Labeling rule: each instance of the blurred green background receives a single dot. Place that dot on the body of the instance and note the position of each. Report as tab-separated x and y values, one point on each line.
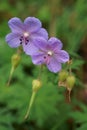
67	20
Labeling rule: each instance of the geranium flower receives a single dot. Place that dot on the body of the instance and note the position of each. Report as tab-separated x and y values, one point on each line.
50	53
25	33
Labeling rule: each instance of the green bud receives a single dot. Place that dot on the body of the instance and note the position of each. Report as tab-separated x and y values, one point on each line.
36	85
63	75
70	82
15	59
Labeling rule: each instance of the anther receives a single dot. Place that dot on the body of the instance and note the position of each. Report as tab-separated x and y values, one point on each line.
20	39
26	43
27	40
44	57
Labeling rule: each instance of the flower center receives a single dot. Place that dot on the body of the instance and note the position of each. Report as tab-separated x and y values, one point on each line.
26	34
47	57
24	38
50	53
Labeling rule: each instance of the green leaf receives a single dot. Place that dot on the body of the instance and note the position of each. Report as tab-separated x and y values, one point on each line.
82	127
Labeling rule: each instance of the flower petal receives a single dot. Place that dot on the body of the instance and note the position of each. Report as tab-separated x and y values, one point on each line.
13	40
38	59
41	33
62	56
54	65
40	43
16	25
55	43
32	24
30	49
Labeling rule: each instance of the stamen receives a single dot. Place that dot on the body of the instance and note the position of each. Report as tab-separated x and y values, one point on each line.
20	39
44	57
24	38
26	43
27	40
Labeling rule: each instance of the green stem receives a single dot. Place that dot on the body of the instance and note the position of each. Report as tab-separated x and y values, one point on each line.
33	95
69	92
30	105
40	72
10	76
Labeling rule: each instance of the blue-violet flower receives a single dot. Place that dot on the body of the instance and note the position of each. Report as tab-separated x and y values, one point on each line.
25	33
50	53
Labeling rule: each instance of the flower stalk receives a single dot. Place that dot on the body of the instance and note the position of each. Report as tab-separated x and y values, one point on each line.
15	60
10	76
36	85
30	105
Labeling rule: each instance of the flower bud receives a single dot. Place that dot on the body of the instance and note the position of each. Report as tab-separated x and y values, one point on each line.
63	75
69	62
36	85
15	60
70	82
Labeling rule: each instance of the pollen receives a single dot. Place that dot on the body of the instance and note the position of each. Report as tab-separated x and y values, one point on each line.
26	34
50	53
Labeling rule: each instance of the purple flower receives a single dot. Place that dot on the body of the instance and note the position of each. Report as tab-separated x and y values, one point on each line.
50	53
25	33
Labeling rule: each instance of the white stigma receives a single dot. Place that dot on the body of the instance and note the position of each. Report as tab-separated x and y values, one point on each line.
26	34
50	53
